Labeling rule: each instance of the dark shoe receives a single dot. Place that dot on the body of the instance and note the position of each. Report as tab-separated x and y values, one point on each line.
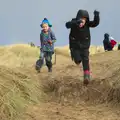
86	79
38	71
50	70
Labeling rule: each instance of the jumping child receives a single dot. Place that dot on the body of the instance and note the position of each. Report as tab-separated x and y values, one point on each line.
80	39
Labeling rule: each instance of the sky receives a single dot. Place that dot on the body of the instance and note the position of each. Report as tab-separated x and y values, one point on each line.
20	19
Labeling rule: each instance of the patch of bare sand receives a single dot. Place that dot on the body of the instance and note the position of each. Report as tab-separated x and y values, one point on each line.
55	111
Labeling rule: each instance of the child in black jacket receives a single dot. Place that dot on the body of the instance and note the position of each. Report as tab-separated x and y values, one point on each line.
80	39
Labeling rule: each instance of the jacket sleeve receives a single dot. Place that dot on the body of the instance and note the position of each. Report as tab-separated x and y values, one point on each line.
95	22
71	23
53	37
68	25
41	40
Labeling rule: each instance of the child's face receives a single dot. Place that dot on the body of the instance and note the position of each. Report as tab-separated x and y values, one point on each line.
45	27
83	21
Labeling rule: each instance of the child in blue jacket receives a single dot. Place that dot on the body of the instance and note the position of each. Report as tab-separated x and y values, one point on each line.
47	40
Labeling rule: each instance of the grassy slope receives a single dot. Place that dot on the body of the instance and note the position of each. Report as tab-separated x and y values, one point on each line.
18	80
17	85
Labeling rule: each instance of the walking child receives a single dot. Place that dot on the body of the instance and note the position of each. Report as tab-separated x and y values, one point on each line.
80	39
47	40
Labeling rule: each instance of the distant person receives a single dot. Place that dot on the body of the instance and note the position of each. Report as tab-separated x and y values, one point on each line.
113	42
118	46
47	40
80	39
108	42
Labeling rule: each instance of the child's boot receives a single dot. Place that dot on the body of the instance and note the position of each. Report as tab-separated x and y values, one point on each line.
86	77
49	65
50	69
39	64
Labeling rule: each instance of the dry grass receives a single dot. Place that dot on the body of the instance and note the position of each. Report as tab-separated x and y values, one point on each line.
18	83
93	50
17	86
67	86
18	55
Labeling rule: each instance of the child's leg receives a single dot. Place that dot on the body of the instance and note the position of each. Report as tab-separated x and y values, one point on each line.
85	62
76	56
41	58
39	64
48	59
109	47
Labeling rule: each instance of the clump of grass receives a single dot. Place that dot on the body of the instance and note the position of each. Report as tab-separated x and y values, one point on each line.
17	91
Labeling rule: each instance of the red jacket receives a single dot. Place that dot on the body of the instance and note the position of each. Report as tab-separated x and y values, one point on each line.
113	43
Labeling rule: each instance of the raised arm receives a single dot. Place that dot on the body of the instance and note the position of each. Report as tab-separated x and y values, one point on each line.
96	20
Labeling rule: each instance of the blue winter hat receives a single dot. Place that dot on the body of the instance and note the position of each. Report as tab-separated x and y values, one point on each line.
45	20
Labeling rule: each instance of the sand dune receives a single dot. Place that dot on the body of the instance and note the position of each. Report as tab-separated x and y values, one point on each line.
27	95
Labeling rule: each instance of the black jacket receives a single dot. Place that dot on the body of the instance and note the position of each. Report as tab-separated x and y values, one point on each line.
106	42
80	37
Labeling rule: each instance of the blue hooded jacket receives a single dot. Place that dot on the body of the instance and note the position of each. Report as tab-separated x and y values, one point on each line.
44	38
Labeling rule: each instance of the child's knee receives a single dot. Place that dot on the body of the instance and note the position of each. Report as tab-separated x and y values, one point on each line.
77	62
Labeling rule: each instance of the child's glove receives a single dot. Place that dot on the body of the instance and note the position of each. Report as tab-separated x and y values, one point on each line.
50	42
96	12
41	49
77	22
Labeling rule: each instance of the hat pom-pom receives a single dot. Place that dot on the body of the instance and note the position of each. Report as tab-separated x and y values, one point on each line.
45	18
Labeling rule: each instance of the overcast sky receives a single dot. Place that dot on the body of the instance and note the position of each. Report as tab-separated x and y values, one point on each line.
20	19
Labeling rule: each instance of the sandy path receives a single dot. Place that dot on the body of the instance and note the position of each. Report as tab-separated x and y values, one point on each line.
102	67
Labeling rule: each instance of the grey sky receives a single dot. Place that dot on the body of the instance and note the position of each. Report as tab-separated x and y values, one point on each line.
20	19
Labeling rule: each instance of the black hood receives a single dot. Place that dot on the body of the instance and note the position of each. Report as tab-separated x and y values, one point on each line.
81	14
106	35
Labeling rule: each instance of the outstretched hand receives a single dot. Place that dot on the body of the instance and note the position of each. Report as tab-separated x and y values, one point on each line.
96	12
